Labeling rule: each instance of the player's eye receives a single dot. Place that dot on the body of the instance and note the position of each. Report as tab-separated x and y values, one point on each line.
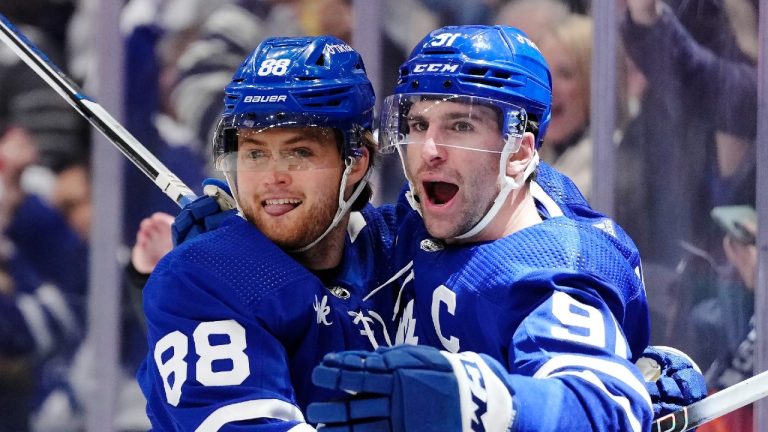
301	152
257	154
418	125
462	126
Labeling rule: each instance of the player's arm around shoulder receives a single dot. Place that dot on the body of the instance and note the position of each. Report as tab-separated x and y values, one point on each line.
211	364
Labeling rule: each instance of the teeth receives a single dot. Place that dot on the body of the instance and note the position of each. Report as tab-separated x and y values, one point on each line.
282	201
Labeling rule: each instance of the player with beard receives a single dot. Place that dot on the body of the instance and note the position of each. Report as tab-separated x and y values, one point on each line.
540	316
236	321
476	195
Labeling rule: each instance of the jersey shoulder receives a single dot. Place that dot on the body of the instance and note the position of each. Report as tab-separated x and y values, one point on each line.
553	252
235	260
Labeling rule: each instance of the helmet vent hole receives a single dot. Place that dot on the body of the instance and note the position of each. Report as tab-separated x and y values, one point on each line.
320	61
502	74
477	71
483	81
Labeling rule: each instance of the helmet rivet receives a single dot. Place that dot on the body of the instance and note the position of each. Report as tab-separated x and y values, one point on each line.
447	84
415	84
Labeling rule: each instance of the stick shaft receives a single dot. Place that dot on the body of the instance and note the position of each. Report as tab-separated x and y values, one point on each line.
30	54
716	405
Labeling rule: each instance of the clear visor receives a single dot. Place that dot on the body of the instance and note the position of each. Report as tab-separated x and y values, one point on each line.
464	122
284	147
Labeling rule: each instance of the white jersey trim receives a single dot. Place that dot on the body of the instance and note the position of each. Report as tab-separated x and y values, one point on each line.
302	427
539	195
356	224
613	369
250	410
622	401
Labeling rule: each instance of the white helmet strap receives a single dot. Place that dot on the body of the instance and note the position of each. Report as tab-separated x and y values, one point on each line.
231	177
344	205
409	194
342	209
507	184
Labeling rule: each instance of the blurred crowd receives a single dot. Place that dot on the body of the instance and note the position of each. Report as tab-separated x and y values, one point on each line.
685	140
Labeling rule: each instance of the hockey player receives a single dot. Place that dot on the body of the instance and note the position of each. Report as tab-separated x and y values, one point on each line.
556	305
236	321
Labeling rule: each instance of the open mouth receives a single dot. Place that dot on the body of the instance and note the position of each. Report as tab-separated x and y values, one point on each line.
440	193
280	206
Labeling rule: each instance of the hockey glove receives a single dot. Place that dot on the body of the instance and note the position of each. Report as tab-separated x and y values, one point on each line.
205	213
672	379
412	388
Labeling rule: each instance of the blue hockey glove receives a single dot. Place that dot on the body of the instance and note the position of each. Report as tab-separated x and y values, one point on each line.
205	213
412	388
672	378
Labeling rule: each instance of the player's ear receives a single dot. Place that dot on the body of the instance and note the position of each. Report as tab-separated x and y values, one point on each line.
359	166
520	159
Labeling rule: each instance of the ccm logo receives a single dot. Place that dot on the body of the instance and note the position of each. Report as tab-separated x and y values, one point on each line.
479	394
435	67
256	99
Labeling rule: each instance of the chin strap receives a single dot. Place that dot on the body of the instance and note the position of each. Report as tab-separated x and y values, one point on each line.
409	194
508	184
230	176
343	205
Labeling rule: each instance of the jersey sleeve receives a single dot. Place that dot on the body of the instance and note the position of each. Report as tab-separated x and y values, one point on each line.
212	365
569	362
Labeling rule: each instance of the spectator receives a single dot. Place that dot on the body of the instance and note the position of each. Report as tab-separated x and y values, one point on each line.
25	100
710	149
682	48
568	50
44	262
736	361
157	34
72	198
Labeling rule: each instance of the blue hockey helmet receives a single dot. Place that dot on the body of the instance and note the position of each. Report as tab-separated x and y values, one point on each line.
497	63
298	82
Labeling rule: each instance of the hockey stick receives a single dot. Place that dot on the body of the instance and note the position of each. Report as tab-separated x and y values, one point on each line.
30	54
716	405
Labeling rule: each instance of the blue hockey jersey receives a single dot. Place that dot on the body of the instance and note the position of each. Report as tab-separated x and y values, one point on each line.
235	327
560	304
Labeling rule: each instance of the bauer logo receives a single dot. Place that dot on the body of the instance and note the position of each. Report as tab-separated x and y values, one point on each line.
264	99
435	67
